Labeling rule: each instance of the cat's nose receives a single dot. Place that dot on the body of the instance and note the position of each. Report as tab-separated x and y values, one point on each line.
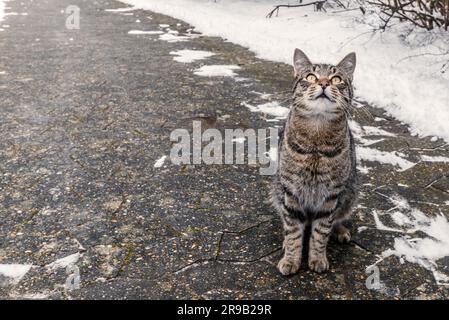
324	82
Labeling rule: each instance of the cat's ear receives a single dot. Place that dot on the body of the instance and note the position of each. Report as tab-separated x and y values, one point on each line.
348	64
300	61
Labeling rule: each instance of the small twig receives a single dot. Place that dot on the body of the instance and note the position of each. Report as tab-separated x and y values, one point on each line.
421	55
319	6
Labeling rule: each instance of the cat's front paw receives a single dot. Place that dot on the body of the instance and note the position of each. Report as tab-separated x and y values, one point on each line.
319	264
288	266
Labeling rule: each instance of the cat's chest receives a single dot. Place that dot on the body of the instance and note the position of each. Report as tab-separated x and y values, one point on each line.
312	164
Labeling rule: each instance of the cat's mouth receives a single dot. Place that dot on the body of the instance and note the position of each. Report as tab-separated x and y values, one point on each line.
323	96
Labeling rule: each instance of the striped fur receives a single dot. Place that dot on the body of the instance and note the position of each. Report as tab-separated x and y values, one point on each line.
316	182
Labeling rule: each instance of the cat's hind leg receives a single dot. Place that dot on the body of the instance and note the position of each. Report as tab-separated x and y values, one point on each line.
340	232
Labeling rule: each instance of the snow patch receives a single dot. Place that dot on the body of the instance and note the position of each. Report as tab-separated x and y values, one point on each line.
425	250
361	229
397	70
145	32
270	108
15	272
393	158
64	262
169	37
2	10
160	162
360	132
434	159
273	154
375	131
127	9
188	56
217	71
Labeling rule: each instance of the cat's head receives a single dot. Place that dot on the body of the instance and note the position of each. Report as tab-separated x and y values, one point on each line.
323	88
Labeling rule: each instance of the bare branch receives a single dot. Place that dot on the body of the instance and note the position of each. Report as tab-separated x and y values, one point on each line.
319	5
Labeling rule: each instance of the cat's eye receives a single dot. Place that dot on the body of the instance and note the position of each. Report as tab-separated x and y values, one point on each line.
336	80
311	77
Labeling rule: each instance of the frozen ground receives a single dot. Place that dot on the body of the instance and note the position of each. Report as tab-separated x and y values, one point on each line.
403	71
86	182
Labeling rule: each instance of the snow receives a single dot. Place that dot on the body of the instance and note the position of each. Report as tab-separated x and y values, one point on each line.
393	158
362	228
64	262
217	71
127	9
399	70
14	271
363	169
264	95
188	56
426	250
270	108
360	132
145	32
160	162
375	131
364	153
434	159
2	11
169	37
273	154
30	296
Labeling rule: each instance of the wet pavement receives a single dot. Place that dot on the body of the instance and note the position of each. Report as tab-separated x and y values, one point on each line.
85	115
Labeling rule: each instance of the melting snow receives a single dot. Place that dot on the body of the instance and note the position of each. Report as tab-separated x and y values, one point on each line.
426	250
270	108
121	9
173	38
393	158
188	56
2	11
145	32
64	262
359	132
273	154
217	71
375	131
160	162
418	54
434	159
14	271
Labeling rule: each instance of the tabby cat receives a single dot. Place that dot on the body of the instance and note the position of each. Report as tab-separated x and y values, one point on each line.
316	181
